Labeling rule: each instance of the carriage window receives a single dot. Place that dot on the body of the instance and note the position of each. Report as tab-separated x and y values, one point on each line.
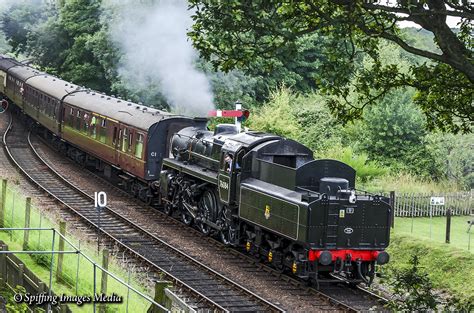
48	108
114	138
125	140
130	139
78	120
71	118
85	123
103	130
139	146
93	128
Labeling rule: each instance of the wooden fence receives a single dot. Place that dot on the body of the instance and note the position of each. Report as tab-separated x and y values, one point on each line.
418	205
13	273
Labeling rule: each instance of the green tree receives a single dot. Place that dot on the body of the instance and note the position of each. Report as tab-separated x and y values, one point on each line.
61	38
394	133
240	34
453	156
19	20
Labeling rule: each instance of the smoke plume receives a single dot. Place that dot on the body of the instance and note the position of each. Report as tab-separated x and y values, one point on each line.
157	51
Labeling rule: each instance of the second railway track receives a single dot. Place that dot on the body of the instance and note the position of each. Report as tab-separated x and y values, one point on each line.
214	291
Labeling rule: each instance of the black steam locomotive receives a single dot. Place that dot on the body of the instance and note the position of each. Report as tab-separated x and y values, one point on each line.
268	194
254	190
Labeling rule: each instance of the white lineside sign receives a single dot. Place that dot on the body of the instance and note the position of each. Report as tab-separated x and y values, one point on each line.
100	199
437	201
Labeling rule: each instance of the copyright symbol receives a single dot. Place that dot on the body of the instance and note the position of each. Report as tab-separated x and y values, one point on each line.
18	297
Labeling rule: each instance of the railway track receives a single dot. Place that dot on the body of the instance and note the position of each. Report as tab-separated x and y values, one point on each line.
213	290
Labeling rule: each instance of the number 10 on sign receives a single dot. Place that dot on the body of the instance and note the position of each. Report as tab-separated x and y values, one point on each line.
100	199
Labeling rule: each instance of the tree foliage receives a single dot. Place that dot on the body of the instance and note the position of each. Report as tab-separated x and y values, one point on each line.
246	34
394	133
61	38
306	119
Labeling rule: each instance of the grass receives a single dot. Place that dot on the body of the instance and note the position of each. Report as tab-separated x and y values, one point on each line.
407	183
72	281
419	227
450	269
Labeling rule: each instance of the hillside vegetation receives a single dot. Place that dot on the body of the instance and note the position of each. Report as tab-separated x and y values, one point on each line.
450	269
389	144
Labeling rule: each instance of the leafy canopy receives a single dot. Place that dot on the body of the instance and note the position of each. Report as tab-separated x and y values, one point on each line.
266	33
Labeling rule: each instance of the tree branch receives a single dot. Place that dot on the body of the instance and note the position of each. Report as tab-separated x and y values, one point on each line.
403	44
463	14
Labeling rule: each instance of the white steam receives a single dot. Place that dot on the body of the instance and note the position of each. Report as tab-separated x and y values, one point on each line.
157	51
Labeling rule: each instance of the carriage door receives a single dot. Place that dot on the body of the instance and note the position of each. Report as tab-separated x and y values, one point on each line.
62	118
225	176
115	142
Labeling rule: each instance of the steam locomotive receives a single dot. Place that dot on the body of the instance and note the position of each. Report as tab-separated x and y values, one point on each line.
257	191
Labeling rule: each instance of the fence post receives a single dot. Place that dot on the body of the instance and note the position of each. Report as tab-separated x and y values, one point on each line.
448	225
26	236
3	263
392	204
103	281
62	231
41	287
3	202
21	273
160	296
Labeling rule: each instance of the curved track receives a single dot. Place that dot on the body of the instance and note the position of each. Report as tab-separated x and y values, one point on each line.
214	291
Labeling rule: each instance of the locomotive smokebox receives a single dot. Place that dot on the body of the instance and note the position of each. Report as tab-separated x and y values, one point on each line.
331	185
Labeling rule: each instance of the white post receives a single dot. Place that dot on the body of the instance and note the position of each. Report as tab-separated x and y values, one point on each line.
238	106
431	219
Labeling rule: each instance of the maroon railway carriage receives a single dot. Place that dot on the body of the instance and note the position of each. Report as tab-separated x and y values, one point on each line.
125	140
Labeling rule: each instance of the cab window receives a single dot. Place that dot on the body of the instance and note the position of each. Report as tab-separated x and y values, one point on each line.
227	160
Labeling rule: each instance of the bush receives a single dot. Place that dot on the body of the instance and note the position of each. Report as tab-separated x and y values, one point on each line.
8	304
303	118
402	181
277	115
365	169
412	289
